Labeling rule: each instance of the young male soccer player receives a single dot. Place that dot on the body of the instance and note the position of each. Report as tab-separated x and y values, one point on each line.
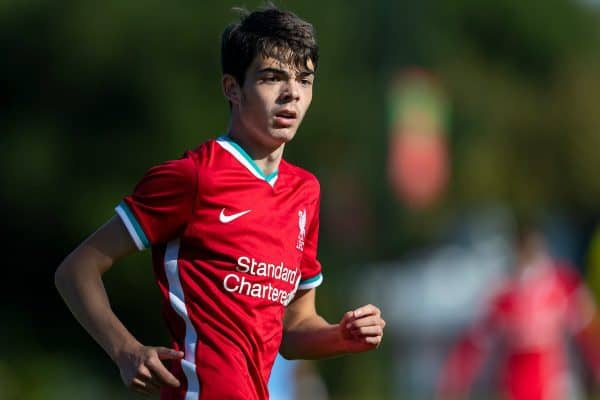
233	230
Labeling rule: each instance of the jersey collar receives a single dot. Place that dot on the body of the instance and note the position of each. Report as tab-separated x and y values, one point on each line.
244	158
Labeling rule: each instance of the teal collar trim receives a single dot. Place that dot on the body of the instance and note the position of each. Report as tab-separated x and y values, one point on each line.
250	163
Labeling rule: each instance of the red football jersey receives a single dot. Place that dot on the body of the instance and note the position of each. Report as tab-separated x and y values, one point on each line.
529	316
230	247
533	315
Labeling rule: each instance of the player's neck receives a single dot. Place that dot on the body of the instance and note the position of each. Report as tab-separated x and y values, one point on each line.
266	158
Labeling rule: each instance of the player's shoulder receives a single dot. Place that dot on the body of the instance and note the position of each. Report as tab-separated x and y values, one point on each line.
187	164
299	174
206	155
202	151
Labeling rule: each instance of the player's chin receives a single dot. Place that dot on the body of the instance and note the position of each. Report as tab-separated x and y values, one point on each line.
285	134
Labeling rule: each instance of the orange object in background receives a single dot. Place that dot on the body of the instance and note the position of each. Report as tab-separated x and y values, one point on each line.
418	168
418	161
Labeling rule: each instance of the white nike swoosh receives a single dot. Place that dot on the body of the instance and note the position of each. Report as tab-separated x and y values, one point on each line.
228	218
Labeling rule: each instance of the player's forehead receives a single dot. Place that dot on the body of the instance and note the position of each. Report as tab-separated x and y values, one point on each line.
261	63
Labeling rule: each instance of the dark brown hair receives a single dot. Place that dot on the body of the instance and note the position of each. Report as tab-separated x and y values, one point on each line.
270	32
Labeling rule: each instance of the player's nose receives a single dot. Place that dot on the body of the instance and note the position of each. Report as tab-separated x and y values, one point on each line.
291	90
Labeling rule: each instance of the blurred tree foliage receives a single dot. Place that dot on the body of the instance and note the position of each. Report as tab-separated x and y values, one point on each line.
525	82
97	92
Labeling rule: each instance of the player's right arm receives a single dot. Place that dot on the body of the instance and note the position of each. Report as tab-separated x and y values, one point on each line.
79	281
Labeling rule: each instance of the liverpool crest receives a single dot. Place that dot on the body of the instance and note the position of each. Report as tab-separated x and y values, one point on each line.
301	229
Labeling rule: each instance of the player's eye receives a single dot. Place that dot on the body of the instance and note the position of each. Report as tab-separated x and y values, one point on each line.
270	78
306	82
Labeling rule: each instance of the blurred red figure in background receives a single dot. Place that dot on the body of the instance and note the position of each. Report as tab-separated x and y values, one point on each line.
529	317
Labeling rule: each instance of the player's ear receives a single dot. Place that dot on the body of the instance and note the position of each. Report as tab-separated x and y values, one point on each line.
231	89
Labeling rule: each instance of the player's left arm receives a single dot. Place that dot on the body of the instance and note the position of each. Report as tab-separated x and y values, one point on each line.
307	335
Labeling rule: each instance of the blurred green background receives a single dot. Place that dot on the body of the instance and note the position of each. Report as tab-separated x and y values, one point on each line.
97	92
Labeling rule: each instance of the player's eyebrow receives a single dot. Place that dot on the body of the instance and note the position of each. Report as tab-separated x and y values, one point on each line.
306	73
273	70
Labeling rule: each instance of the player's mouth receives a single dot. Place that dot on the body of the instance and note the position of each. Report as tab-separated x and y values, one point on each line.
285	118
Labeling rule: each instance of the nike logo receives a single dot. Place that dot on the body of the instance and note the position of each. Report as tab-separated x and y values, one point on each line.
228	218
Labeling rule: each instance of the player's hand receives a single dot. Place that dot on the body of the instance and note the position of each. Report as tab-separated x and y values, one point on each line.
142	369
362	329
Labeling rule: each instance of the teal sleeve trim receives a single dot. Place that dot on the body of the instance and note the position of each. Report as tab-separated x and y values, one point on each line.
311	282
133	226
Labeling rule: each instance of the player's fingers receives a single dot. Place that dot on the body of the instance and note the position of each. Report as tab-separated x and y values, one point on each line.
366	321
348	316
140	386
368	309
368	331
142	373
160	374
148	386
373	340
165	353
153	385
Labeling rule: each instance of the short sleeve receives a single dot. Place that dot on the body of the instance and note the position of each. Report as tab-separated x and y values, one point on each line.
161	204
311	267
